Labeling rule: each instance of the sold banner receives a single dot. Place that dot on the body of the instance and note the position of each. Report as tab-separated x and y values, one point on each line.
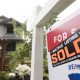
63	44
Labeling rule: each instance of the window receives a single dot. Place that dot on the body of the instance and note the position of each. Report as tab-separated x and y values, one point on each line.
11	46
10	29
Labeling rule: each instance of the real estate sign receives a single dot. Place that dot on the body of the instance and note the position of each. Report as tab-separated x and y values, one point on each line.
63	44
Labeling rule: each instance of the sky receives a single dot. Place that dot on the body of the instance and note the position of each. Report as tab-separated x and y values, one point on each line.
22	10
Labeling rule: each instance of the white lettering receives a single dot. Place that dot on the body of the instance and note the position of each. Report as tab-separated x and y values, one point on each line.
60	37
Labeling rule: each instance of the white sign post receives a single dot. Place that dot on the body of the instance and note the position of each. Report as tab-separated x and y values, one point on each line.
51	10
37	54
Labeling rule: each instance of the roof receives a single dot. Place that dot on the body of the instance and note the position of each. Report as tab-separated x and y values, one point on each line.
14	36
5	20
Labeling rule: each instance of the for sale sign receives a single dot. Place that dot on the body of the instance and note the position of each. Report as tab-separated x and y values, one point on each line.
67	51
63	43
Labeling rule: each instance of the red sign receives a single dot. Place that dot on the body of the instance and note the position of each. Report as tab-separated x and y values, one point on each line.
58	35
64	42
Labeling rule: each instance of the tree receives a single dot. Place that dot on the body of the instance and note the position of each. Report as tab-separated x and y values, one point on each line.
23	49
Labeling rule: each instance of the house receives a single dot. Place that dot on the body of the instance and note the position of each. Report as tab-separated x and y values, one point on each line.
8	39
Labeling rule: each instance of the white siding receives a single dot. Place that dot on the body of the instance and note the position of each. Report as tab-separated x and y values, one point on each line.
3	30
